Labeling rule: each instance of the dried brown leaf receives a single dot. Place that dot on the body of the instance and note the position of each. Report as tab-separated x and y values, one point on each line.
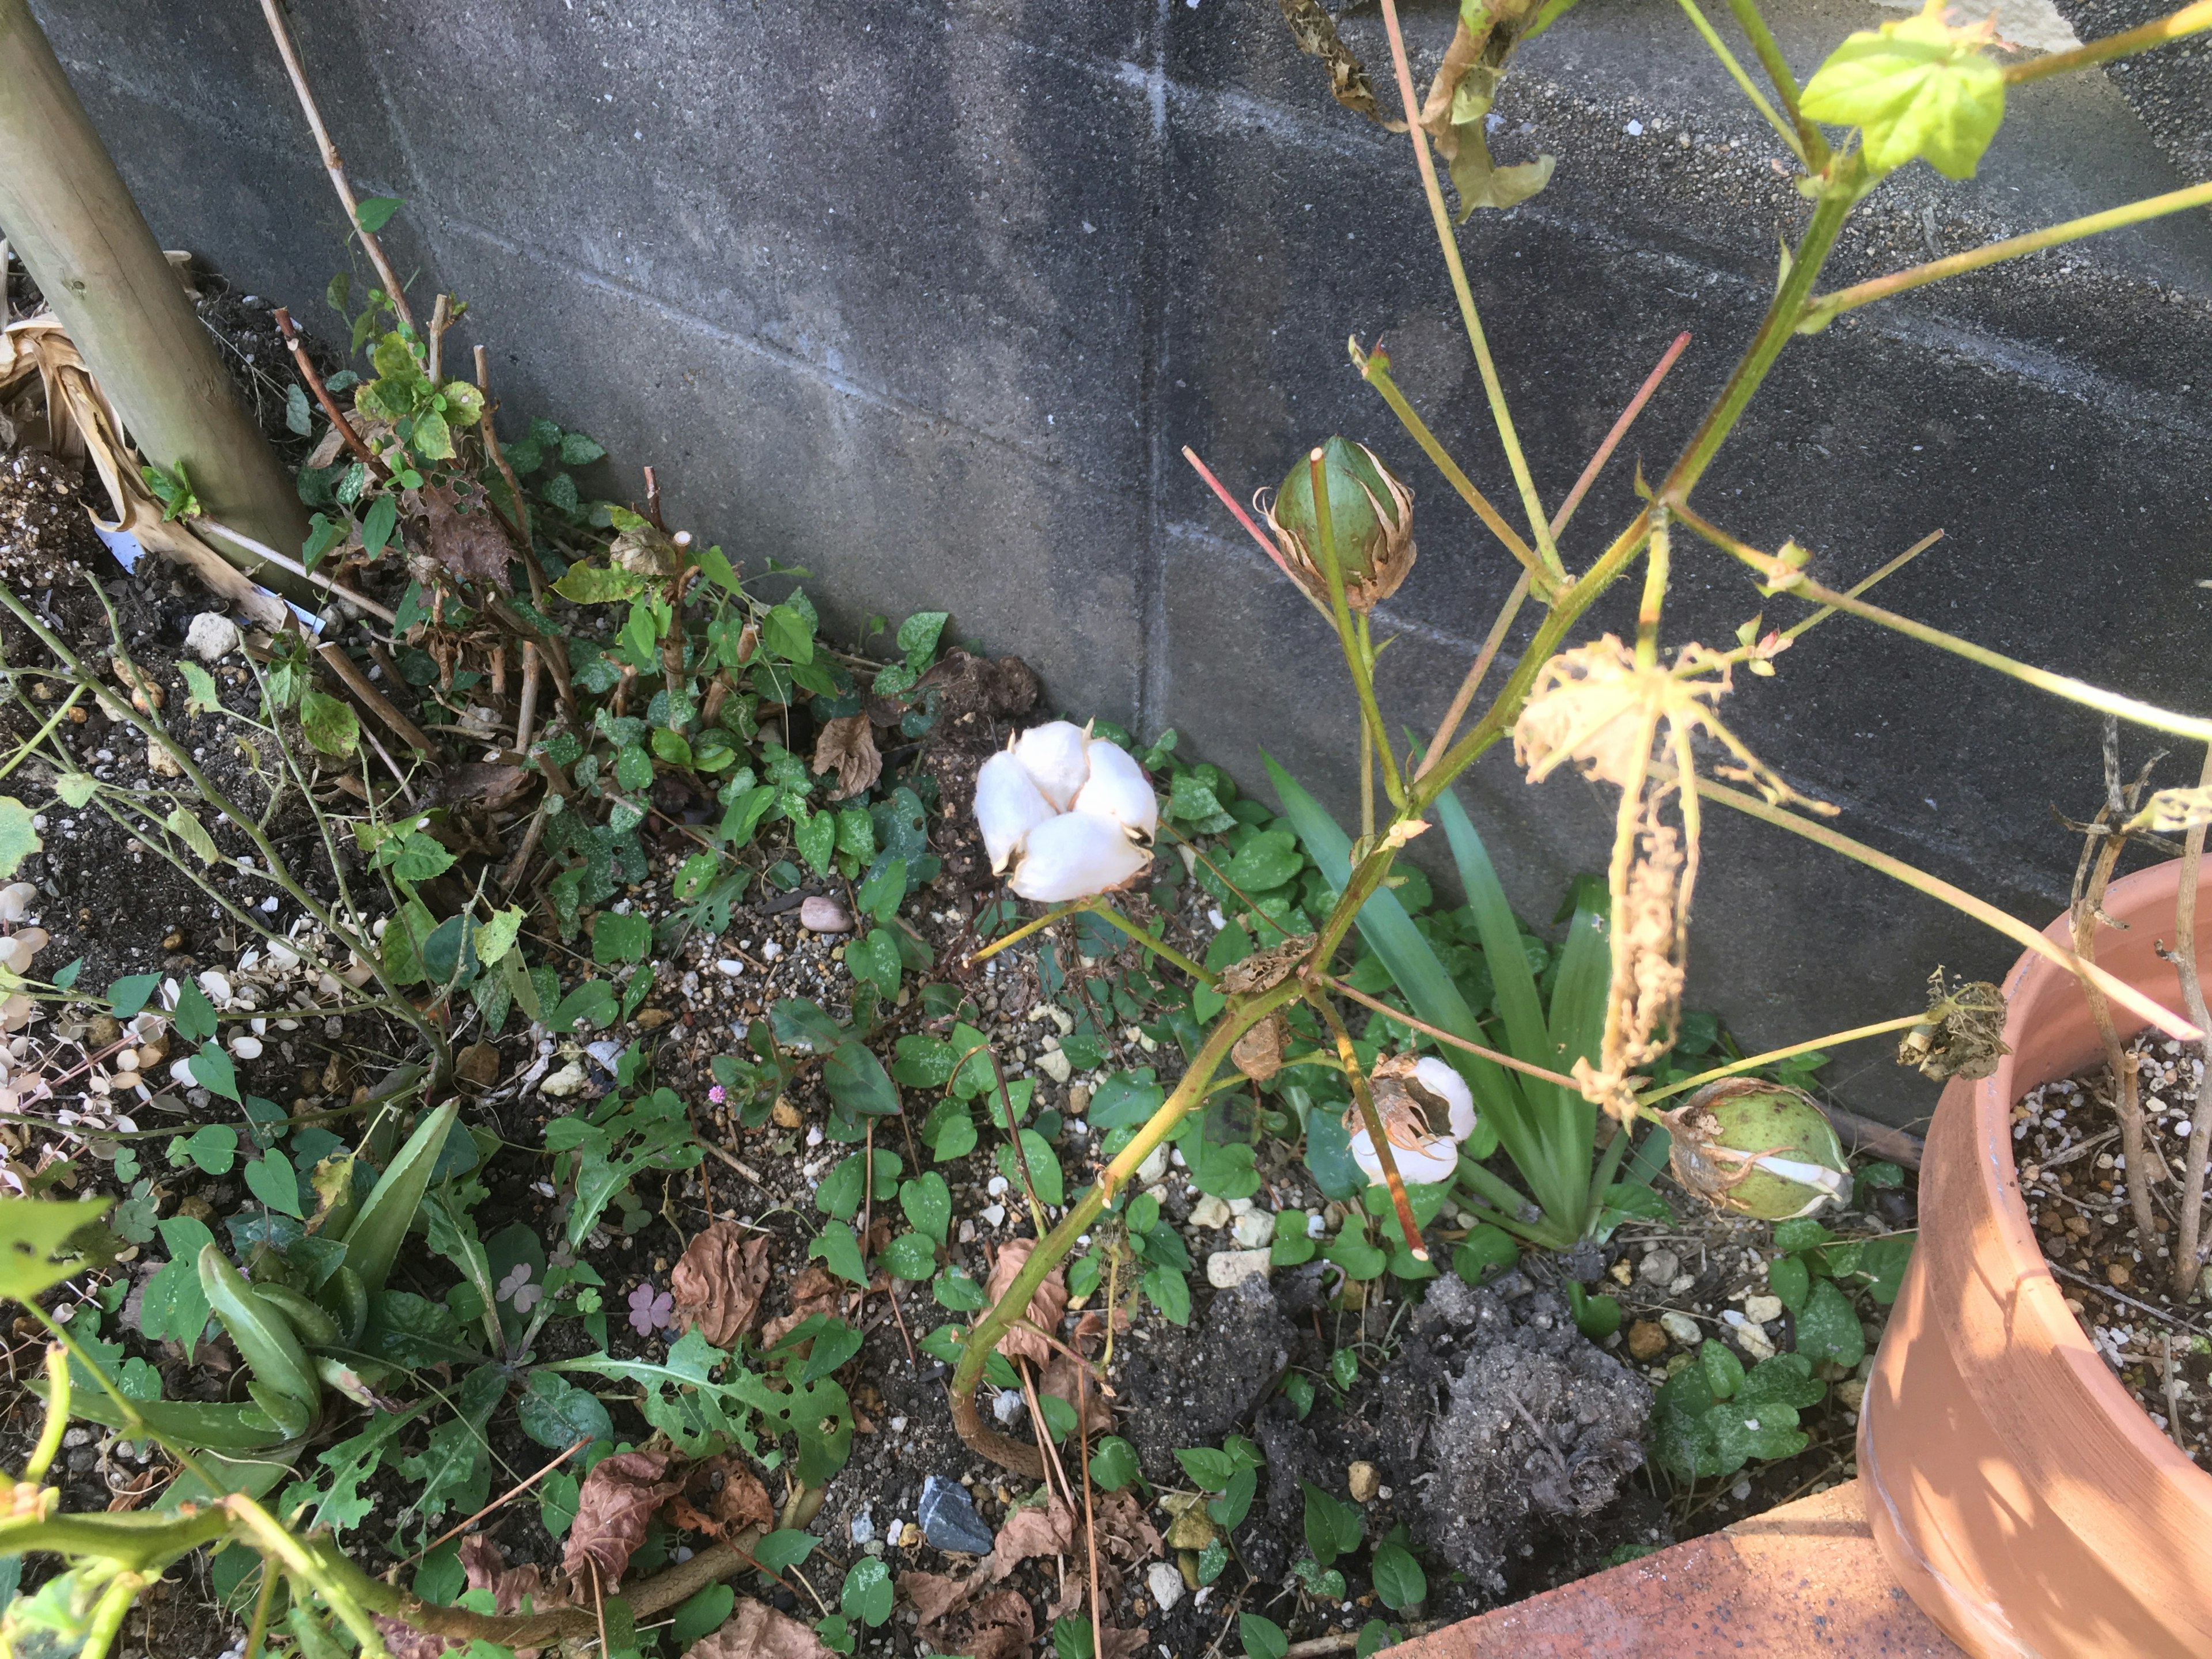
1065	1377
756	1630
402	1641
1047	1303
740	1502
848	748
486	1563
487	784
1263	971
1049	1530
999	1626
1123	1528
816	1291
1115	1643
1259	1053
1314	30
463	535
933	1595
617	1499
718	1283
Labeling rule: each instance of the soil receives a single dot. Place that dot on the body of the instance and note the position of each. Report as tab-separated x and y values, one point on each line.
2073	1177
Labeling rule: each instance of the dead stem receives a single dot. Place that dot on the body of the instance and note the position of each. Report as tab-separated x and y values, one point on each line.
1373	1120
368	457
2192	1004
2099	855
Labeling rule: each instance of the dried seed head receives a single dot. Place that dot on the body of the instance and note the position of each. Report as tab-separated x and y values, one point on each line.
1370	518
1757	1149
1259	1053
1962	1034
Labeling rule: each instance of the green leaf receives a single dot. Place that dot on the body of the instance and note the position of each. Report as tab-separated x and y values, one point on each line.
187	828
1114	1465
373	213
33	1236
557	1414
1828	1324
577	449
1292	1246
620	938
840	1252
1487	1249
856	1080
195	1014
955	1289
1332	1528
911	1255
212	1070
788	633
18	840
781	1550
275	1183
816	840
1208	1468
1723	1370
1235	1503
1168	1291
1268	860
928	1203
1790	1279
262	1335
212	1147
1043	1165
1263	1638
127	995
201	696
1916	88
700	1615
1596	1318
591	584
379	1226
378	523
495	938
328	724
1398	1580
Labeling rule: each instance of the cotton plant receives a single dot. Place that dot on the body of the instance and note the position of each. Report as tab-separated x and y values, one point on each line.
1072	813
1426	1110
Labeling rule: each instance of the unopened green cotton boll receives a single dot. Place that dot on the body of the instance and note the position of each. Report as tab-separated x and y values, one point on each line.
1371	515
1759	1149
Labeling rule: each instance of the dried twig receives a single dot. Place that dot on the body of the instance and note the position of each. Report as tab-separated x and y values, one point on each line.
333	164
2192	1004
337	417
376	702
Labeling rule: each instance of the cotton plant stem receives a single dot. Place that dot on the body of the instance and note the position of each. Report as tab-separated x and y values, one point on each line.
1476	670
259	1628
2192	1004
1620	430
1167	953
1512	1063
1540	526
2172	26
332	164
1798	630
375	701
1267	543
983	1336
337	416
1363	678
1032	926
2118	990
1787	131
1904	1022
1374	369
1810	145
204	526
1828	306
1376	1135
2127	1104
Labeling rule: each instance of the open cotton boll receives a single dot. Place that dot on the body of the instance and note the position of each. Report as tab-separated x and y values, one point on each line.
1822	1186
1008	805
1440	1080
1117	790
1432	1161
1074	856
1054	757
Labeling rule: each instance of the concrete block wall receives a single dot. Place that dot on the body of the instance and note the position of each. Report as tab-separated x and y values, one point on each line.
928	297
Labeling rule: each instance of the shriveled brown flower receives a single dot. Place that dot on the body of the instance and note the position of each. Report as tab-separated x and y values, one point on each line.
1263	971
1962	1035
1047	1303
718	1282
847	748
1259	1053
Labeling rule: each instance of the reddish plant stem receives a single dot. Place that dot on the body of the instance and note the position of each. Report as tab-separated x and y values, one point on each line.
338	417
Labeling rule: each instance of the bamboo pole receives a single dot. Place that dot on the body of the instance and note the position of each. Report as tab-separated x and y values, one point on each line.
70	216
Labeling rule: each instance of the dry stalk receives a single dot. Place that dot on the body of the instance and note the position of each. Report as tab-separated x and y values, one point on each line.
2192	1004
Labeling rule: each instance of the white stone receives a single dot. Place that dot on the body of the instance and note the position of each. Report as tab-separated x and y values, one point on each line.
995	1214
1008	1405
1164	1580
1239	1205
246	1045
1227	1268
1683	1328
820	914
565	1082
1762	1310
1154	1168
1253	1228
729	965
1055	1065
1209	1211
1659	1266
212	636
996	1186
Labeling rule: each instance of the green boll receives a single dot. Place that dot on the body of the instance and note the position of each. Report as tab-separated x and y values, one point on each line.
1370	518
1759	1149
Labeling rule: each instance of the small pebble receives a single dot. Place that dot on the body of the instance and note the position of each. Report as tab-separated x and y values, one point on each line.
1762	1310
819	914
1165	1581
949	1520
1647	1340
1209	1211
994	1214
1227	1268
1659	1266
1364	1481
1683	1328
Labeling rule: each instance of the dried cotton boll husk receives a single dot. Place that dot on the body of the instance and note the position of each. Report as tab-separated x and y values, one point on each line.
1117	789
1008	806
1412	1103
1055	757
1439	1078
1074	856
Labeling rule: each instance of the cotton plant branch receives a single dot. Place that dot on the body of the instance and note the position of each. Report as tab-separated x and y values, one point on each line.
1784	130
1493	388
1827	308
2174	25
1812	147
333	164
2101	855
1355	659
1774	1056
1266	542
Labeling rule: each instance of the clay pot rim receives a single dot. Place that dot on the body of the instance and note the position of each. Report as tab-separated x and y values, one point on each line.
2147	893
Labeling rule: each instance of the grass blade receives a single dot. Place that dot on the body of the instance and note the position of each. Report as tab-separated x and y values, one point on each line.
372	1242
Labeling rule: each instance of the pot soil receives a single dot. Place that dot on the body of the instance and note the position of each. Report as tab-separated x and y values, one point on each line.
2016	1489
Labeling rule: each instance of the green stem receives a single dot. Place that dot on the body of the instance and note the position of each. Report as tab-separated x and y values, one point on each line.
1828	306
1787	132
1657	559
58	1414
1189	1089
135	1541
1649	1096
1374	369
1508	1201
1813	147
107	1616
1494	388
1167	953
2172	26
1362	679
1023	930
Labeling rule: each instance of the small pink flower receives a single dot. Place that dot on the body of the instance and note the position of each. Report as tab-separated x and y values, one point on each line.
650	1309
717	1095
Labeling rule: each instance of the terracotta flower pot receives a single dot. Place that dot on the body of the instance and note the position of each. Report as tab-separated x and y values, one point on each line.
2017	1490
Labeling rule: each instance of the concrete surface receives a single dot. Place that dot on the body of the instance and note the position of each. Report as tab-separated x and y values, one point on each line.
927	297
1802	1582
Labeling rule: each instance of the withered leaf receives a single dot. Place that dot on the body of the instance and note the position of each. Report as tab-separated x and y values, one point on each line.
617	1501
934	1593
1115	1643
1047	1303
486	1563
483	783
1259	1053
402	1641
999	1626
1049	1530
1063	1376
1314	30
1263	971
1456	114
740	1502
1123	1528
718	1283
848	748
756	1630
816	1290
463	535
